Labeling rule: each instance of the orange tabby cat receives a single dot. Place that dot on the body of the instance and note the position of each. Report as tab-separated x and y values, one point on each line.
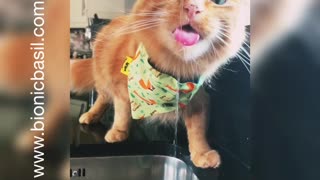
184	38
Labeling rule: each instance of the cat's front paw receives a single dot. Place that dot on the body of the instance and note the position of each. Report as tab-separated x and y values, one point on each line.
210	159
87	118
114	135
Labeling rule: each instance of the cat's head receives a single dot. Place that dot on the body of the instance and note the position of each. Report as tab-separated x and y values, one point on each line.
193	29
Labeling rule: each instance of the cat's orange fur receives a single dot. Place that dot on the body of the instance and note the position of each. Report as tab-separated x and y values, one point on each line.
113	45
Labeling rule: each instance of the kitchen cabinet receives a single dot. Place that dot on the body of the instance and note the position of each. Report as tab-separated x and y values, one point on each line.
81	10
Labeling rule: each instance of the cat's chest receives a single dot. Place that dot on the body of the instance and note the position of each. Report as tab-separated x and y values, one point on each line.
152	92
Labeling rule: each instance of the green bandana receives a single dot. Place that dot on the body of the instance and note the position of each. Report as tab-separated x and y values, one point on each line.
152	92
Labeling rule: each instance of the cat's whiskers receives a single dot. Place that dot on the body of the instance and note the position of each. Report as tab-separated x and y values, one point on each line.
136	27
215	52
245	43
222	40
246	55
242	48
244	63
144	13
137	22
244	58
109	36
245	51
137	30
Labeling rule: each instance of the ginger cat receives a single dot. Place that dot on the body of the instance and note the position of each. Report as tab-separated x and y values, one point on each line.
184	38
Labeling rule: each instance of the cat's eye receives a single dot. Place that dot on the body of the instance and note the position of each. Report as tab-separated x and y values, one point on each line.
220	2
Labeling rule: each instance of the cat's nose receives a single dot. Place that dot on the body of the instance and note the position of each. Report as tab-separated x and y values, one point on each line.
192	10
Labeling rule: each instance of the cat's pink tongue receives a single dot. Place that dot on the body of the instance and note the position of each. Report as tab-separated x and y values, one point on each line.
186	38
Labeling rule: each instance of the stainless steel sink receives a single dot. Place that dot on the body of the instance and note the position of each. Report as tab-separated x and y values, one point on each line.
130	168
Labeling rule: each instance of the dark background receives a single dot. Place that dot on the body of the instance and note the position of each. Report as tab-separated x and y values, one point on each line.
286	107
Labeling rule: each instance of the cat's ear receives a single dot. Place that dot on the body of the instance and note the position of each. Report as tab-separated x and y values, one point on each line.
246	11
